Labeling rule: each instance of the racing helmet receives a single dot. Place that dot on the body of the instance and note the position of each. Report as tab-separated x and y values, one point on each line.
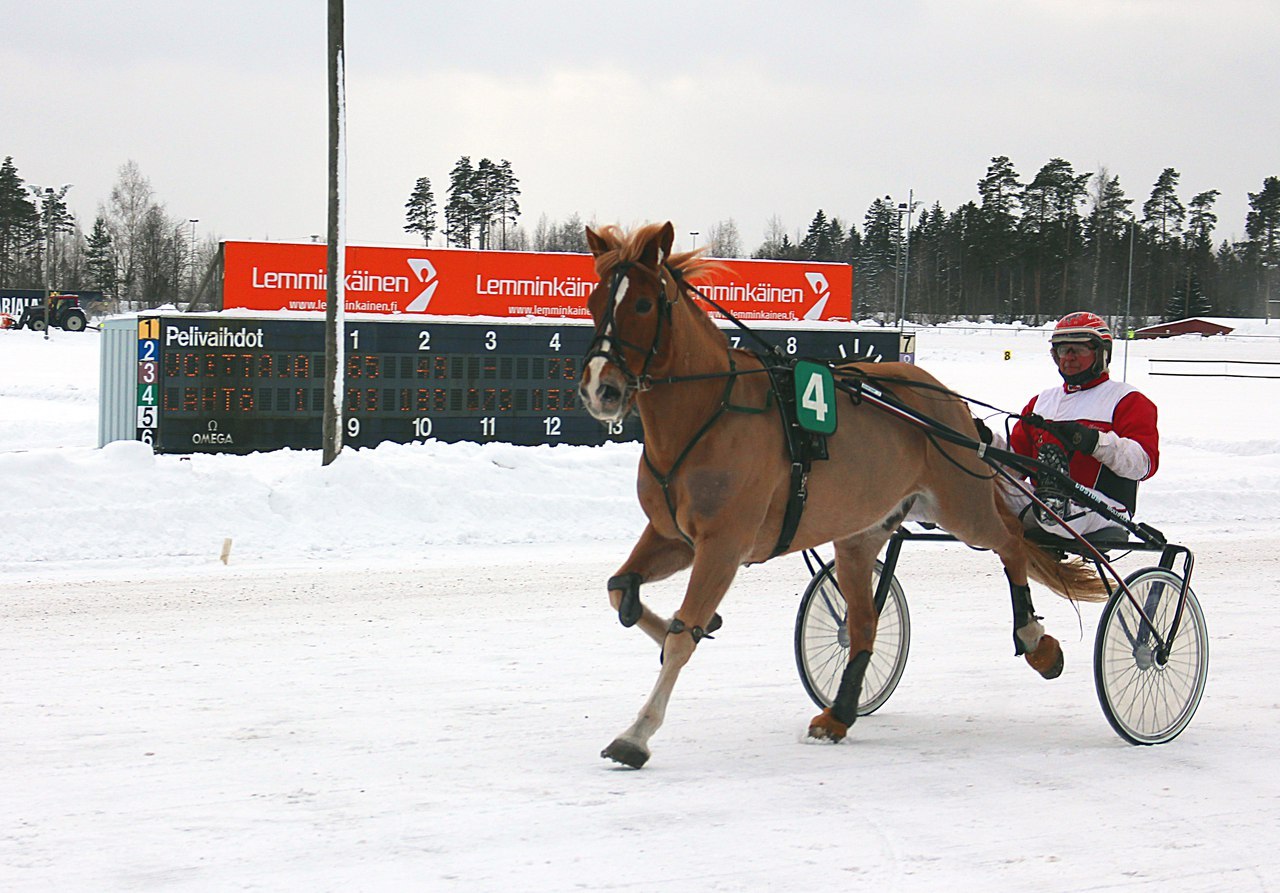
1083	327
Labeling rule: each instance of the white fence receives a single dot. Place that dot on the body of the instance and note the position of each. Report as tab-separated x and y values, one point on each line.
1216	368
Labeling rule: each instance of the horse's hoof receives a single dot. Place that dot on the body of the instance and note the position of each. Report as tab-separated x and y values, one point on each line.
628	753
825	727
1047	658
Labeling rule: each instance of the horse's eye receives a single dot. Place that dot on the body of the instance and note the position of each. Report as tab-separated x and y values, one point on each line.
643	305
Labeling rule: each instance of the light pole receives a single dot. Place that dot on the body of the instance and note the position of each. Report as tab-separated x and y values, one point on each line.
897	249
48	199
908	207
694	235
191	298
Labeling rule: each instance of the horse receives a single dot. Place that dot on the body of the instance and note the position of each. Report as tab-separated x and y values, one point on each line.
715	478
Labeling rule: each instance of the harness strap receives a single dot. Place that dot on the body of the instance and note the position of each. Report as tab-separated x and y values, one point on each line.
801	458
726	405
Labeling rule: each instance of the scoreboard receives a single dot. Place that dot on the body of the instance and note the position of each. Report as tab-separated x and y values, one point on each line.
230	384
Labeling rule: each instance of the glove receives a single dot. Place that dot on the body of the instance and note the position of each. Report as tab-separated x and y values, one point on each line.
1074	436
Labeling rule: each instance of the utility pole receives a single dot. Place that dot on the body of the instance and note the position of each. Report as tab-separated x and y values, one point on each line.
335	293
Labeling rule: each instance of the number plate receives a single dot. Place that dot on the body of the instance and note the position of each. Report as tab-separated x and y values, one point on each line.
815	397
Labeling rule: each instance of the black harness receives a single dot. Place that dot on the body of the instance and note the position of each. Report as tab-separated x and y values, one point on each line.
803	447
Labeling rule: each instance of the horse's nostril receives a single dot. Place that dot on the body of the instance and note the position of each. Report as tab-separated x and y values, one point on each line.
610	394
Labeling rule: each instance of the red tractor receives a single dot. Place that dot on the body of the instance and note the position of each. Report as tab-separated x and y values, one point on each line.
64	311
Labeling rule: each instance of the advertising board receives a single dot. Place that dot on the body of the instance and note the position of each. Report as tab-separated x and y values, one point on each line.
272	276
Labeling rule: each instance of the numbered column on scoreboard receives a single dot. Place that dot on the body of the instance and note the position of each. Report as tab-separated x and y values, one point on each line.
230	384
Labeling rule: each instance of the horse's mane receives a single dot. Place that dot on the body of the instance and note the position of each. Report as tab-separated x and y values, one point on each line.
625	247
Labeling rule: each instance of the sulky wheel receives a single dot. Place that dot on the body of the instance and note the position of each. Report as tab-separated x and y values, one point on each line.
1148	697
822	642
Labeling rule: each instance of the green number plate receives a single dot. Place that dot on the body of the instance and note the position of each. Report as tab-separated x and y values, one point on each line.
815	397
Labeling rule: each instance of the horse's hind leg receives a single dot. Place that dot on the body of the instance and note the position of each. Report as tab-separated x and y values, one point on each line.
1002	533
855	562
653	558
1041	651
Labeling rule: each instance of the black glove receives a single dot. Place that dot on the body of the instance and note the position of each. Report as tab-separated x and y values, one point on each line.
1074	436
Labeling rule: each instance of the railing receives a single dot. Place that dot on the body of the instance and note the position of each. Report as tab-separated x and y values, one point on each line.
1216	368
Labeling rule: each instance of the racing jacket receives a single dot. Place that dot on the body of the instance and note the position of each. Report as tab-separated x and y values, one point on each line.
1128	448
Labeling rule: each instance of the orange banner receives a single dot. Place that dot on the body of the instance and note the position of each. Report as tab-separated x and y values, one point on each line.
460	282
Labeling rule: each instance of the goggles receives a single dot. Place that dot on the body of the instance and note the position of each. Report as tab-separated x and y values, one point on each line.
1072	349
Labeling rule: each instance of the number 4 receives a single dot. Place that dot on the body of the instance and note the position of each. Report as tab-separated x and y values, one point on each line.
815	397
815	394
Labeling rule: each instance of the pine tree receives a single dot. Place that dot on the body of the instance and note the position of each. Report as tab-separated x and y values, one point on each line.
875	271
1163	212
1051	233
820	243
1187	300
460	212
505	202
100	260
1106	240
420	211
1001	193
1262	225
19	227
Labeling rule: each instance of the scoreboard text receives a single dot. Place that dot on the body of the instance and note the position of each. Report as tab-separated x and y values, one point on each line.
240	385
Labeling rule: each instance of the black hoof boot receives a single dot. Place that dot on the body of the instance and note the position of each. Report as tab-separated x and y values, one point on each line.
628	753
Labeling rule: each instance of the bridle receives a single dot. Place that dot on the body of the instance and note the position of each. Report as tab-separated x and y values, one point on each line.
608	345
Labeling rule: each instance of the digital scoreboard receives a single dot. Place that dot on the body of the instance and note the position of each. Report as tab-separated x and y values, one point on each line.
227	384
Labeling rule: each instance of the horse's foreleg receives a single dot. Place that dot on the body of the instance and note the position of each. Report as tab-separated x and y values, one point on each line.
653	558
855	561
708	582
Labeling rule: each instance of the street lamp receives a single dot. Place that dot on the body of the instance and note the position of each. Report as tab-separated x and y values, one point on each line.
191	298
694	234
48	199
908	207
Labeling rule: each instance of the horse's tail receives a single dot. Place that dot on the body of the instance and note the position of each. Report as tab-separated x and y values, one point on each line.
1070	578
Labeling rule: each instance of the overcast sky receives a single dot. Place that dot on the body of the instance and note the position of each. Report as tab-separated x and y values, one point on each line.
695	112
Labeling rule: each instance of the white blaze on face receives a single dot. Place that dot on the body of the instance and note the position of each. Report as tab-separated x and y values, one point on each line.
596	366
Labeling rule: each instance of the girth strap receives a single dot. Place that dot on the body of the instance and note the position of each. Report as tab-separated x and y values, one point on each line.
802	447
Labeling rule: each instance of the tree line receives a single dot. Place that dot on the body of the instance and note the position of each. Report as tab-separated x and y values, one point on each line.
1031	250
1061	241
135	253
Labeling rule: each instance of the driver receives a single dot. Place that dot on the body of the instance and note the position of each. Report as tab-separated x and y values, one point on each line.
1102	433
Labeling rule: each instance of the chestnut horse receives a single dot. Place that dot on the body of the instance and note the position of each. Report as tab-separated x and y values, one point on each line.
715	477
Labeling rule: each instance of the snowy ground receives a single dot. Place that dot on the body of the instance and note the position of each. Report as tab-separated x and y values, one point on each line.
410	690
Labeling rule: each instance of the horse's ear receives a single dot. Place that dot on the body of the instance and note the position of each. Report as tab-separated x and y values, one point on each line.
595	243
658	248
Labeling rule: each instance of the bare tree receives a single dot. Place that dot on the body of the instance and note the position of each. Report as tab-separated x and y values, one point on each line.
723	239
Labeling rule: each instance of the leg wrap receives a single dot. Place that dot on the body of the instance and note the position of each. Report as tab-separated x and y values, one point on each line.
845	708
1024	615
696	632
629	607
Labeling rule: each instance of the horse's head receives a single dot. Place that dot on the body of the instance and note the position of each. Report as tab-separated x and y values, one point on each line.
631	308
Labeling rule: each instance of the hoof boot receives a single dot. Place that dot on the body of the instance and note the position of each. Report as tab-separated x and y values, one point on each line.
628	753
1047	658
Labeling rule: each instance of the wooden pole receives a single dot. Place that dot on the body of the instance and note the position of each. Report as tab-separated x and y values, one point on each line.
334	291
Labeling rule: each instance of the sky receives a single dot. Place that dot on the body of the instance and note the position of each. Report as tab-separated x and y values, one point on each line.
696	112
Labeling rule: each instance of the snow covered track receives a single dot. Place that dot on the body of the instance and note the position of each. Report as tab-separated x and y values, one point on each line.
343	727
410	692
